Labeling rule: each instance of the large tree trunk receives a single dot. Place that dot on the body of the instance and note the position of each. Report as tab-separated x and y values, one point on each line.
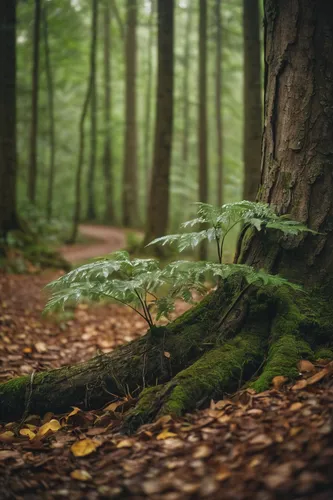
216	346
8	215
130	195
202	119
218	101
158	209
50	98
91	210
32	178
186	87
109	215
252	99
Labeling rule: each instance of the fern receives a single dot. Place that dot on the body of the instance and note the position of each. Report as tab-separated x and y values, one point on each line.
221	220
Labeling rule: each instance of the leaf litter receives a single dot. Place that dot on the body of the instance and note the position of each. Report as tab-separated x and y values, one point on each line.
273	445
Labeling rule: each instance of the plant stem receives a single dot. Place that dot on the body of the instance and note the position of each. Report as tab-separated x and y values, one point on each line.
144	307
126	304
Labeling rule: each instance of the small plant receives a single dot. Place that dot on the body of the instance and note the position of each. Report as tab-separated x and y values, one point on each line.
151	291
219	221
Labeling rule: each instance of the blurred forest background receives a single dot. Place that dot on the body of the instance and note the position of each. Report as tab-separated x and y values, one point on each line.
86	86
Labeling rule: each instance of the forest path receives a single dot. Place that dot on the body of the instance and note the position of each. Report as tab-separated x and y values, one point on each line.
107	239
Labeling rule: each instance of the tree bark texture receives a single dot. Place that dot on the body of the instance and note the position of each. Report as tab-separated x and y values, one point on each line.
32	178
236	334
50	98
218	101
8	166
252	99
202	123
109	215
158	209
186	87
130	195
91	209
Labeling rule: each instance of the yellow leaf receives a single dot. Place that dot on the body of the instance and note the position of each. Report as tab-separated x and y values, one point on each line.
52	426
278	381
113	406
27	350
28	433
80	475
84	447
7	436
305	366
165	435
296	406
125	443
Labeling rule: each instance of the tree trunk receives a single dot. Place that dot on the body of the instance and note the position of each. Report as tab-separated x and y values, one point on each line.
50	97
8	215
215	347
91	210
147	130
78	195
158	209
130	195
109	215
32	178
218	102
202	124
186	87
252	99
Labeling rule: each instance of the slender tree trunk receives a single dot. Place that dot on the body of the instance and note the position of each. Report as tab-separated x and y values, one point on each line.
212	347
32	178
252	99
107	158
186	87
147	130
50	97
130	195
78	195
218	102
91	209
158	210
202	124
8	167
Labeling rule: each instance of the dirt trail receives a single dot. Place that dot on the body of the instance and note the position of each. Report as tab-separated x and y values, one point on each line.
109	239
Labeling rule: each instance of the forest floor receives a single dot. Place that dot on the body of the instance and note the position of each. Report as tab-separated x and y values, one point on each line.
274	445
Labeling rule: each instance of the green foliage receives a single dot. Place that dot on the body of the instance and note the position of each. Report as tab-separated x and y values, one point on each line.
219	221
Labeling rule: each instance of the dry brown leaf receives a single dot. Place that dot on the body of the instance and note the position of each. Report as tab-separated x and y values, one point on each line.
167	354
7	436
318	376
296	406
301	384
165	435
202	451
223	472
278	381
261	440
84	447
5	454
305	366
255	412
81	475
125	443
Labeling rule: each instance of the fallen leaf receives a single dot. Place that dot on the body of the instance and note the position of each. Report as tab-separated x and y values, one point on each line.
125	443
167	354
7	436
301	384
223	473
261	440
5	454
28	433
50	427
84	447
296	406
165	435
305	366
202	451
278	381
318	376
81	475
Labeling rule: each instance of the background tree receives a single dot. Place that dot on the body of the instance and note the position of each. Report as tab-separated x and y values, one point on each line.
8	167
202	124
186	87
50	95
34	105
252	98
91	211
158	209
218	97
129	200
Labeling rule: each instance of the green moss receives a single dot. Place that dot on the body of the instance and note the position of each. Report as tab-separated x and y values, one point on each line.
324	353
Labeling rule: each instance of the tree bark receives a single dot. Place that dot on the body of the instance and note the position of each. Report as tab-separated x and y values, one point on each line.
8	166
107	158
158	209
218	345
130	196
78	195
202	123
252	99
91	209
50	97
32	179
186	81
218	102
147	129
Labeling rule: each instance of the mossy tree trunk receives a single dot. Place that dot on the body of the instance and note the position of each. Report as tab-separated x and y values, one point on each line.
214	349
